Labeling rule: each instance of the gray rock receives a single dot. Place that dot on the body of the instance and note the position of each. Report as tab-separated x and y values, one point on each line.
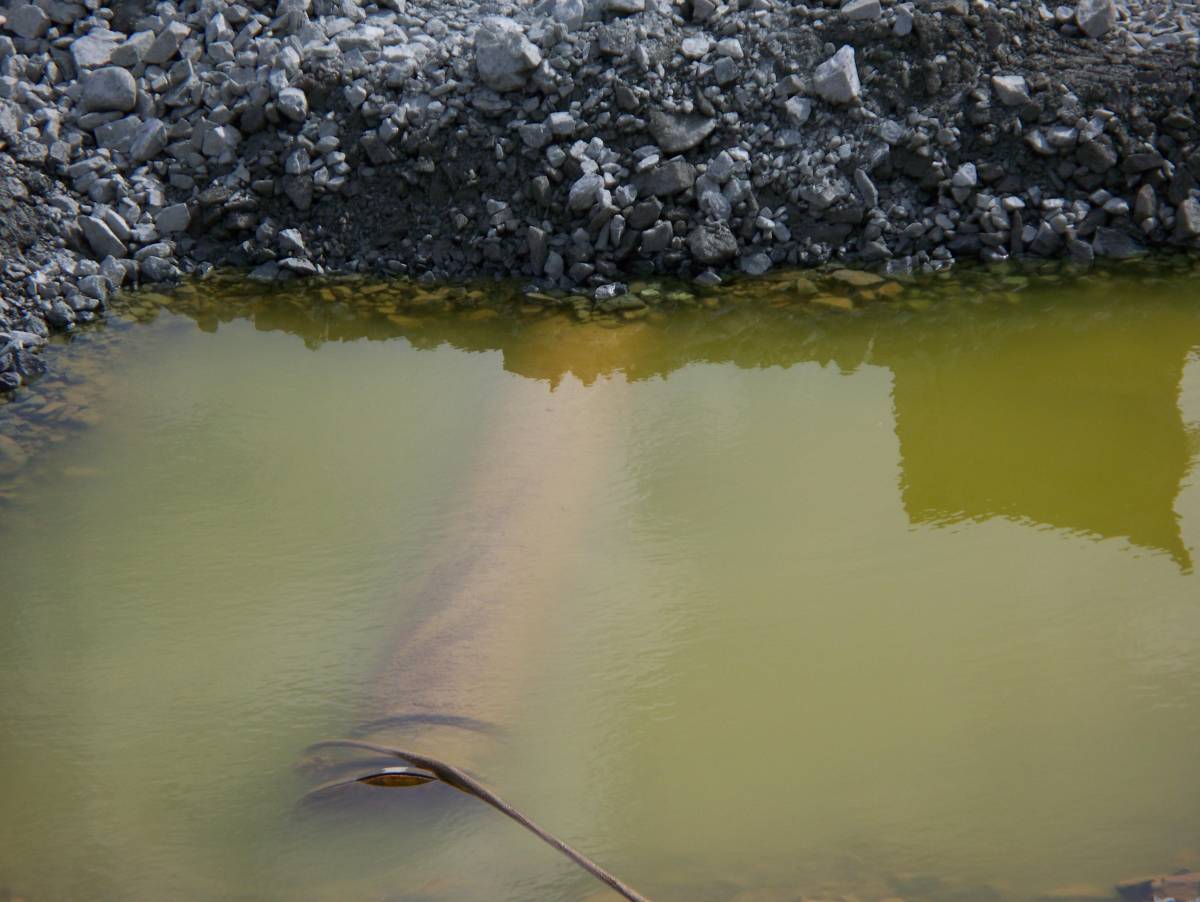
1096	156
1116	244
504	57
798	110
836	79
172	219
570	13
149	142
101	238
293	103
119	135
755	264
1011	89
644	214
1095	17
965	176
861	10
291	243
657	239
903	25
625	7
726	71
94	287
167	43
109	89
28	21
1187	220
585	192
666	179
712	244
95	49
866	189
61	316
677	133
158	269
133	51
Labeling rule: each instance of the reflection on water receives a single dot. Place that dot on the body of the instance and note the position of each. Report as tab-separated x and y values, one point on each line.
764	599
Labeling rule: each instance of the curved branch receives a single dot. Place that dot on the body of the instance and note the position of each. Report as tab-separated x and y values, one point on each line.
464	782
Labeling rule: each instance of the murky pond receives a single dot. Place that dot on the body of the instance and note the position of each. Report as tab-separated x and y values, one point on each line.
758	599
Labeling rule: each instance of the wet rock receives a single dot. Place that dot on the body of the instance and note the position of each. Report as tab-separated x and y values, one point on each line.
1187	220
836	79
109	89
504	56
676	133
755	264
1116	244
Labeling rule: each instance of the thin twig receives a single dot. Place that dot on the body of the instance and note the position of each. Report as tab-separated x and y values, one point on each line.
464	782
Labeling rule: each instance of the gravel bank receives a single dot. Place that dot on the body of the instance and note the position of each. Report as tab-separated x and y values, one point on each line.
575	144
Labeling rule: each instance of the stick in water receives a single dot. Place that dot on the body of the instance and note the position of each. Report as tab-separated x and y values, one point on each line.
463	782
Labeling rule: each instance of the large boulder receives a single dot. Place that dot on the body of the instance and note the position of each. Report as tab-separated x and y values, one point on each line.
836	79
504	57
109	89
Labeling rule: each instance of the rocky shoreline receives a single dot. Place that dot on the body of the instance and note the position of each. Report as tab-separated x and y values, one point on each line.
576	144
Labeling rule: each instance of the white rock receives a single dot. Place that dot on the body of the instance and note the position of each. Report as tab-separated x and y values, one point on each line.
836	79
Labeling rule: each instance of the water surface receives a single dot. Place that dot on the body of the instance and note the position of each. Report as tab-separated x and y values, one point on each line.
776	599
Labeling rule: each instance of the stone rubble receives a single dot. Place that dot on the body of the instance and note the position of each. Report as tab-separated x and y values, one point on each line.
576	143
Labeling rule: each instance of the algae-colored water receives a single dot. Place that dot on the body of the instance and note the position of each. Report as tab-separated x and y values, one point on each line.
765	600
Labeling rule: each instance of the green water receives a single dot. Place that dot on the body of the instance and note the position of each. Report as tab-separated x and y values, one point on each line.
765	600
